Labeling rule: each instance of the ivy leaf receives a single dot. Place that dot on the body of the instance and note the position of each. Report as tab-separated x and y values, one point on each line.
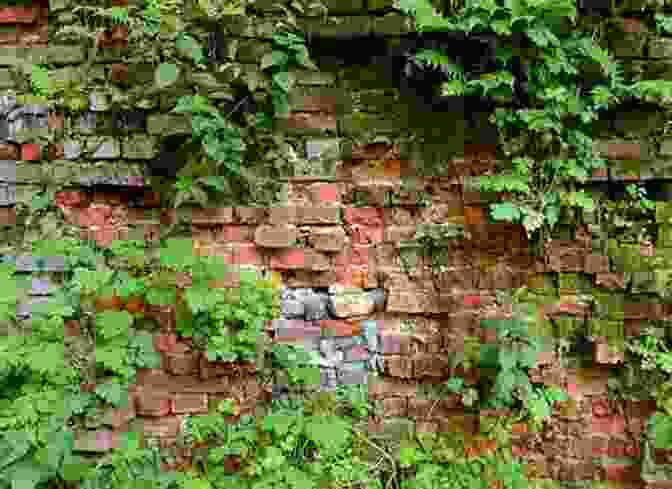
328	432
274	58
278	423
13	446
505	211
114	393
219	183
161	296
166	74
187	44
283	80
113	323
27	474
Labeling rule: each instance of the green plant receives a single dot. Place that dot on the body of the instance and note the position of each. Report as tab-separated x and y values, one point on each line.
663	23
288	48
222	142
558	120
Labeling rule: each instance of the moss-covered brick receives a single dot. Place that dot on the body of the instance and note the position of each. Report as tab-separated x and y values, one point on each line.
360	122
140	147
65	54
643	281
607	328
660	48
251	51
608	304
541	283
307	77
664	236
568	283
168	124
391	25
636	123
334	27
566	326
12	56
6	79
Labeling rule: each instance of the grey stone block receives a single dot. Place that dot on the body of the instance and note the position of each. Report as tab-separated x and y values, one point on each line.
29	263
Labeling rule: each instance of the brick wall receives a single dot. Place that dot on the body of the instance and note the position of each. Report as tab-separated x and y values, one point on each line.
319	240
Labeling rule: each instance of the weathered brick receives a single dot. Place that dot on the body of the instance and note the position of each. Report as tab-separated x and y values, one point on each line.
181	361
330	240
395	407
596	263
152	403
325	193
397	366
234	232
318	215
18	15
164	427
341	327
281	215
275	236
364	216
300	258
190	404
221	215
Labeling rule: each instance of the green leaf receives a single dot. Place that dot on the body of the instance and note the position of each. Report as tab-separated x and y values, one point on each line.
505	211
111	324
166	74
328	432
188	44
274	58
283	80
114	393
27	475
13	446
161	296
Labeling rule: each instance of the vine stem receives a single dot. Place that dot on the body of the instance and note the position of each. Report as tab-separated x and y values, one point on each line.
385	454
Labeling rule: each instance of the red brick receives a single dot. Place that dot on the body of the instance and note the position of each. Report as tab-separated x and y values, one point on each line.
221	215
330	240
155	404
196	403
18	15
119	73
56	120
607	355
623	472
397	366
164	427
612	281
8	216
364	235
325	193
181	361
318	215
341	327
365	216
632	25
395	407
609	425
596	263
311	120
317	103
250	215
623	151
9	152
299	258
31	152
243	253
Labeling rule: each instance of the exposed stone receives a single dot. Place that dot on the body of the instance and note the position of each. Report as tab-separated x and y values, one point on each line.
345	303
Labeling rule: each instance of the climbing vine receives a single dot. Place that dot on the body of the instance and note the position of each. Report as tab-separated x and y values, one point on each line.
548	144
